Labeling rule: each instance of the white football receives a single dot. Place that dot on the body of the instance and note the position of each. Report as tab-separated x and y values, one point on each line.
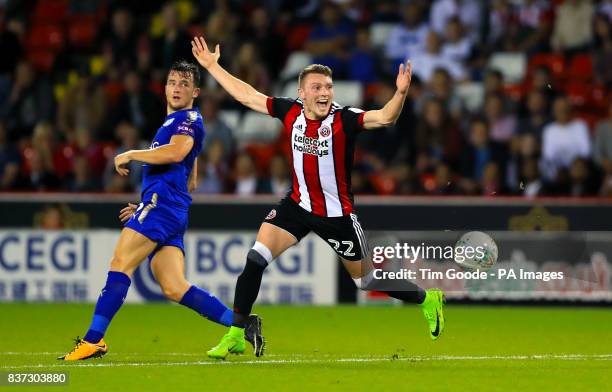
476	250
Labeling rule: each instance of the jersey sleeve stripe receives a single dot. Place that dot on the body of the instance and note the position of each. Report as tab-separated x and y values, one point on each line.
269	106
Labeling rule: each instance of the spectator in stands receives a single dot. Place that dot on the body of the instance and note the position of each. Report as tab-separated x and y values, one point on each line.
83	179
602	45
535	114
493	82
443	183
174	44
437	136
531	185
246	180
87	146
83	106
212	169
330	40
478	152
543	81
119	40
442	87
457	46
9	44
248	67
30	101
384	11
407	39
500	18
522	147
41	159
491	183
280	176
468	11
583	180
360	182
9	161
535	20
531	13
563	140
130	140
425	64
573	28
264	35
502	123
216	128
605	8
363	61
138	106
602	150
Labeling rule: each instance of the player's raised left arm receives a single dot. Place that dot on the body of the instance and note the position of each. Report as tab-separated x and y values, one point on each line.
173	152
389	114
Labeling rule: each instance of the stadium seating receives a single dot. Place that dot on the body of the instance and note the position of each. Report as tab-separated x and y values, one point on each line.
256	128
231	118
471	94
512	65
295	63
348	93
554	62
379	32
45	36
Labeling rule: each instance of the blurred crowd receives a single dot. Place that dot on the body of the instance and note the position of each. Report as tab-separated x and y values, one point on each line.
508	97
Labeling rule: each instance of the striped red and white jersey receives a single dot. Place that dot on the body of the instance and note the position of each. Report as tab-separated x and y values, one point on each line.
321	155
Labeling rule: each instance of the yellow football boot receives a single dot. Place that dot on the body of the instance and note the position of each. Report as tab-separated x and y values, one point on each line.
85	350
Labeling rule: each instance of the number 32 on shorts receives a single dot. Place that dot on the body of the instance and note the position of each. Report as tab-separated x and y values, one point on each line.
337	245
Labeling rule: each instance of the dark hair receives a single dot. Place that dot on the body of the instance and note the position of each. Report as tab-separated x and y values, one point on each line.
184	67
314	69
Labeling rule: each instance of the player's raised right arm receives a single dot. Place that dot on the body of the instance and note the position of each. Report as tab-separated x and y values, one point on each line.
241	91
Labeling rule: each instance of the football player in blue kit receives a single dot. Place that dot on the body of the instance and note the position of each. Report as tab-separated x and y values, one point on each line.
155	228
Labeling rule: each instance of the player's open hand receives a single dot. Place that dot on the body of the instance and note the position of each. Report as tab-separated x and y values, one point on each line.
127	212
120	161
404	76
200	51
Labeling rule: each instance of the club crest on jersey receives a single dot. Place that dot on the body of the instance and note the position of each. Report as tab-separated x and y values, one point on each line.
271	214
192	116
168	122
324	131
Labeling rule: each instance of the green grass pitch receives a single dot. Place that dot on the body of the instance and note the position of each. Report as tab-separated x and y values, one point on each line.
379	348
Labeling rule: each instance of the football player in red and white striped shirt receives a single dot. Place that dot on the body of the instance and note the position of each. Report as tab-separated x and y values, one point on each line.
322	136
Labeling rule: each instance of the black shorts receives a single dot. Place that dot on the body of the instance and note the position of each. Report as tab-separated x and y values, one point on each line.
344	233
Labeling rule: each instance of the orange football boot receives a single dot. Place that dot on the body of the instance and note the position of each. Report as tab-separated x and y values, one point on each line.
85	350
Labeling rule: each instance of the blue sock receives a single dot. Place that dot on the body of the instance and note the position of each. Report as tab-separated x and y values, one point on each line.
207	305
110	300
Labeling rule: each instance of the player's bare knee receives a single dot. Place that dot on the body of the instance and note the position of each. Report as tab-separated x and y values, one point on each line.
173	292
120	264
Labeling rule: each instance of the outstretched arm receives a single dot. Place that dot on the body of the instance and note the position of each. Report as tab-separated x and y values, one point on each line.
173	152
241	91
389	114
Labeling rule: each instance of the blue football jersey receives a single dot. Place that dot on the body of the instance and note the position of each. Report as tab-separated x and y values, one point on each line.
169	181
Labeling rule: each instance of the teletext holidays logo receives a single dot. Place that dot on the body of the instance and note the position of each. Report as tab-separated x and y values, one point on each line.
309	145
422	252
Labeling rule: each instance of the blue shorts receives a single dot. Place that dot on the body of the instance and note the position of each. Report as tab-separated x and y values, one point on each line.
160	223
